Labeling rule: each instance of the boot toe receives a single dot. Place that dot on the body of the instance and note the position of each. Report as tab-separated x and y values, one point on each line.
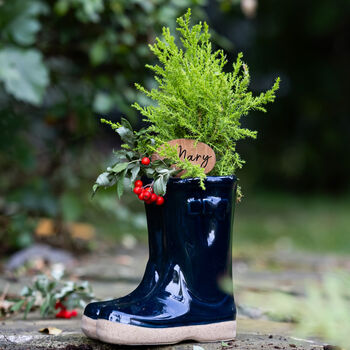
93	310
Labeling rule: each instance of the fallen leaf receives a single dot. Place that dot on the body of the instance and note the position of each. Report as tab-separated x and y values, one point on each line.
81	230
45	227
51	330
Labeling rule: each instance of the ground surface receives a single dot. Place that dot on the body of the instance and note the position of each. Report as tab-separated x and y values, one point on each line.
259	278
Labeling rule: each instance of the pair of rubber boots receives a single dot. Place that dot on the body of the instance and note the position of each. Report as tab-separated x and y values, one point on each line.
180	296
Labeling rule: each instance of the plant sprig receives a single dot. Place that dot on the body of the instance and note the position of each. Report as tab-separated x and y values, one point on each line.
195	97
128	165
45	292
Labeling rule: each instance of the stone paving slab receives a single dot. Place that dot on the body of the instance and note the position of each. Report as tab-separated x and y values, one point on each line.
24	335
257	279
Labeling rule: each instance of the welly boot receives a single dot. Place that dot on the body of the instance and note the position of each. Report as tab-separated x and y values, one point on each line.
188	301
149	280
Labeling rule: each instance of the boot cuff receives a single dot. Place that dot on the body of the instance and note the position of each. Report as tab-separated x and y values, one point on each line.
209	181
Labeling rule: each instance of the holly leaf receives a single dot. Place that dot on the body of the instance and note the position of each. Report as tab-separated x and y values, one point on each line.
29	306
17	306
102	179
124	154
45	306
126	136
159	185
162	171
126	123
23	74
134	172
95	188
120	184
149	172
106	179
119	167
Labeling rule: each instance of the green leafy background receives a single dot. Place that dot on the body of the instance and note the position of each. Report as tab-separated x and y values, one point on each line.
66	63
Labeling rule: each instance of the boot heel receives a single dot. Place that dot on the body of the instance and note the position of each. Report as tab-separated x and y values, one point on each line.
88	326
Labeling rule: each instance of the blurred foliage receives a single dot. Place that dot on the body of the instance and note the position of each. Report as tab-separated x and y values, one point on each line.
318	223
46	292
60	63
322	312
302	143
63	61
326	310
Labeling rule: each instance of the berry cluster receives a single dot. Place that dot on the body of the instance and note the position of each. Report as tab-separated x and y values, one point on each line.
64	313
146	193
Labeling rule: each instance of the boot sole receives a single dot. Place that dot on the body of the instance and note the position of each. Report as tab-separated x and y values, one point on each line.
88	326
124	334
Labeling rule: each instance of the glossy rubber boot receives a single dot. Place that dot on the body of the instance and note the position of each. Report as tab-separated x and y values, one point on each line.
188	301
149	280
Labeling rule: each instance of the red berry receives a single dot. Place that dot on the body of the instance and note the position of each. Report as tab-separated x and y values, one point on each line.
59	305
160	200
138	183
146	195
59	314
145	161
73	313
137	190
153	197
149	201
141	195
63	314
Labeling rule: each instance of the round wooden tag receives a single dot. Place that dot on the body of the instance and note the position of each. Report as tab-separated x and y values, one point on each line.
197	153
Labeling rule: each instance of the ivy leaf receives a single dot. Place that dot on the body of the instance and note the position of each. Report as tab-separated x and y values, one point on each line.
119	167
23	74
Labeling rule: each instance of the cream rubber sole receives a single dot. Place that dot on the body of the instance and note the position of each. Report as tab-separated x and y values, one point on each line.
124	334
88	326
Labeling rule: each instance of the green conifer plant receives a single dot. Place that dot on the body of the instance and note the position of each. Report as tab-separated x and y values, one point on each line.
195	98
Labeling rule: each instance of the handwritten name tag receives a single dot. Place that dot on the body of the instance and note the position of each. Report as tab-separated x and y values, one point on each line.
200	153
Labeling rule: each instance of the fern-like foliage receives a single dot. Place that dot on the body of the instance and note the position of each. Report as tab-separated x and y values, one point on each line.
197	99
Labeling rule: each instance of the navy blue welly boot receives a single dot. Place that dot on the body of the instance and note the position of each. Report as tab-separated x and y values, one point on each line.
188	301
149	280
